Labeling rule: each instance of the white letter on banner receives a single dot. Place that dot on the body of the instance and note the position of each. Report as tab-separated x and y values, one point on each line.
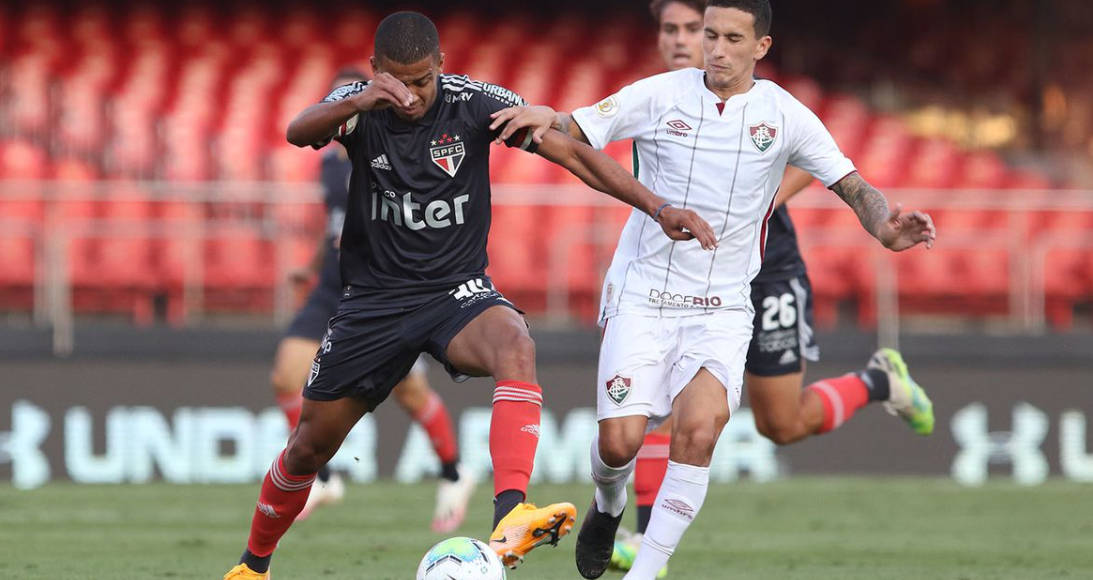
562	455
30	426
218	425
418	456
742	448
357	457
980	448
152	444
1077	464
474	436
80	460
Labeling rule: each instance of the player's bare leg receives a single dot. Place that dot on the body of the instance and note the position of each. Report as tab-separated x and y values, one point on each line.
291	365
701	411
425	406
322	428
784	412
497	344
649	469
612	458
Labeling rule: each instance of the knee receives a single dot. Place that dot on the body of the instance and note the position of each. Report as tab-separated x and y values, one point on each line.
518	352
306	455
281	380
617	447
779	433
694	445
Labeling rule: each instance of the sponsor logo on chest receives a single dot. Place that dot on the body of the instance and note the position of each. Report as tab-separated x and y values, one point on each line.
447	153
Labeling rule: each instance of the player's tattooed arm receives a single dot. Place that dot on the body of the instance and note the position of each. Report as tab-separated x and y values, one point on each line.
893	228
600	172
317	123
539	120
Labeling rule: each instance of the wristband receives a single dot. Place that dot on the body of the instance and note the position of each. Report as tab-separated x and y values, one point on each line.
656	216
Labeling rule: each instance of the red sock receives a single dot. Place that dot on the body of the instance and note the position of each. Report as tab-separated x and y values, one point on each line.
514	434
283	497
841	397
291	405
650	469
434	418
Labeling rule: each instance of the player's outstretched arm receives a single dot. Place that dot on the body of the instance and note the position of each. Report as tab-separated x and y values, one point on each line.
538	120
896	230
601	172
318	122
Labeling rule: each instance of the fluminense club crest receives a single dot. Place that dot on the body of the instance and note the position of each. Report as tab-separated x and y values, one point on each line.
763	136
447	153
618	389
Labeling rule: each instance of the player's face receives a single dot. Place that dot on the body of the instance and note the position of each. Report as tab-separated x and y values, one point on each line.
730	47
680	36
420	77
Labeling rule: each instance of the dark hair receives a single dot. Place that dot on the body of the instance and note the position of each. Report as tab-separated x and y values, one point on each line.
350	72
406	38
760	9
656	7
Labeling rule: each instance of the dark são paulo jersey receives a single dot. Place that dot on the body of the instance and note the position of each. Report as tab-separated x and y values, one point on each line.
418	217
782	260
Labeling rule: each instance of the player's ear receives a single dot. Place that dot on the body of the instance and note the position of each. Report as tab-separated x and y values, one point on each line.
440	64
372	63
764	47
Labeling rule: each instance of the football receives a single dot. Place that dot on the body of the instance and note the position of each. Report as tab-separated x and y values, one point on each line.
460	559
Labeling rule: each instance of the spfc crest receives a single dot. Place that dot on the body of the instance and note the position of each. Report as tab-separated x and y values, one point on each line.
763	136
447	153
618	389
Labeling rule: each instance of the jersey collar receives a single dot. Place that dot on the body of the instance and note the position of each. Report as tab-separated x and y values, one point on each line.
712	98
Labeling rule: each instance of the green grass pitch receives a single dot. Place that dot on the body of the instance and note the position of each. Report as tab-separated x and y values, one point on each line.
798	529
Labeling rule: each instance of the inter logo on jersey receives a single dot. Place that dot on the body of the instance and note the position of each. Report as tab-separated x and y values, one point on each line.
763	136
619	389
447	153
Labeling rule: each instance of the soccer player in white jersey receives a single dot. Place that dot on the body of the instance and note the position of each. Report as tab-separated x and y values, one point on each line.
678	322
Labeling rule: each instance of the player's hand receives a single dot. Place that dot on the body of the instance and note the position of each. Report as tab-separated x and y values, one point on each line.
684	224
384	91
906	230
300	276
513	119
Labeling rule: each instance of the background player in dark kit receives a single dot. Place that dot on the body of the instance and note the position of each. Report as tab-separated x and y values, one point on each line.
296	350
413	265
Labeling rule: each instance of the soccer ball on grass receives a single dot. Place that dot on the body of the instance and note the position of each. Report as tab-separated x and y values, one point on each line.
460	559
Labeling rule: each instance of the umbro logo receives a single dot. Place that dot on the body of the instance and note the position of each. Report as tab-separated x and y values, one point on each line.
678	128
679	508
381	163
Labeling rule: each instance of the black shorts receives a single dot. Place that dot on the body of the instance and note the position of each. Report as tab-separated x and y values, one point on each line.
782	335
367	351
322	304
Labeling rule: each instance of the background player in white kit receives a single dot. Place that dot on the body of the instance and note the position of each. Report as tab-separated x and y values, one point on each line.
678	322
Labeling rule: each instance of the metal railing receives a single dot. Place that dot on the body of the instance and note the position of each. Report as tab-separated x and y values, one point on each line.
260	210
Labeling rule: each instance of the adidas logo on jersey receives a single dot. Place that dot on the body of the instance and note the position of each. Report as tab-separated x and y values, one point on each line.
788	358
381	163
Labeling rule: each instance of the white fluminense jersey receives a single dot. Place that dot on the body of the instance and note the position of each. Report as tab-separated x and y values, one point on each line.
726	166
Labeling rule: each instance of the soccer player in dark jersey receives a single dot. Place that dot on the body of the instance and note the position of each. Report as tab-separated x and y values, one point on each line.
782	298
413	260
296	351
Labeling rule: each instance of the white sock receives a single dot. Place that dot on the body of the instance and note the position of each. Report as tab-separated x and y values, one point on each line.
677	504
610	482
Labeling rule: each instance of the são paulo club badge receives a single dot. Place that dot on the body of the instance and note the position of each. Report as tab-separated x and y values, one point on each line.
618	389
763	136
447	153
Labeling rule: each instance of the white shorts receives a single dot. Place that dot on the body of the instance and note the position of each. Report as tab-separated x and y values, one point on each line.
645	362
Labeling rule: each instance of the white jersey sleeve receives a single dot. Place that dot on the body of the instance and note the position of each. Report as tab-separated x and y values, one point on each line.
621	116
814	150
